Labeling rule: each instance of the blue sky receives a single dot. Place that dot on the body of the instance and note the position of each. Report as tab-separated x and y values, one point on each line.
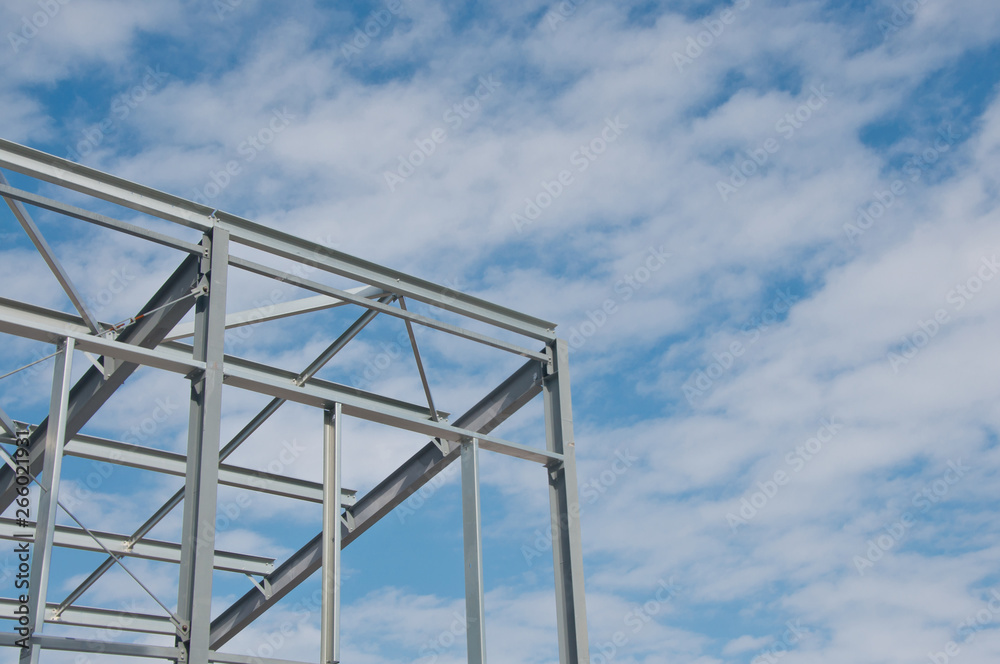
815	182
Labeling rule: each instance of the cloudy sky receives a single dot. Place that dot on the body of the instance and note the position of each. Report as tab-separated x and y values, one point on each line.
768	230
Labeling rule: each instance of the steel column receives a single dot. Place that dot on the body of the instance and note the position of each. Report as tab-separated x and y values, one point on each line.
422	467
48	506
194	604
231	446
564	501
472	536
201	282
330	610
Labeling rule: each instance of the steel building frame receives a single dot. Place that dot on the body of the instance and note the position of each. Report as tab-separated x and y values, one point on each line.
34	452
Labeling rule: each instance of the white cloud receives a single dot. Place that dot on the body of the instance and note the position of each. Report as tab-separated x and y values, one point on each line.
782	231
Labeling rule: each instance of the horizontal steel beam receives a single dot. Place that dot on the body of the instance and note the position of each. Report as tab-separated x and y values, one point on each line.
322	396
433	323
271	381
497	406
279	310
171	463
230	658
38	329
162	312
81	616
117	190
49	642
98	219
147	549
37	239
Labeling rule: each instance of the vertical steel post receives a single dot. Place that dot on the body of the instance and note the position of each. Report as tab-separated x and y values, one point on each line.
564	502
475	607
330	618
41	555
194	603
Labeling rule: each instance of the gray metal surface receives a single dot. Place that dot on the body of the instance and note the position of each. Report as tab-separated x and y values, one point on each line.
7	424
421	468
150	339
472	535
264	380
78	616
29	226
171	463
94	389
279	310
229	448
194	599
168	552
48	504
309	284
564	500
64	643
193	215
330	557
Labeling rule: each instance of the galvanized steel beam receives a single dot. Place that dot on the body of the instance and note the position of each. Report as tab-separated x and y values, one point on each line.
490	412
168	552
193	215
94	389
564	501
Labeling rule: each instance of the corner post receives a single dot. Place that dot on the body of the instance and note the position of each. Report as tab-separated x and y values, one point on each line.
564	504
194	604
